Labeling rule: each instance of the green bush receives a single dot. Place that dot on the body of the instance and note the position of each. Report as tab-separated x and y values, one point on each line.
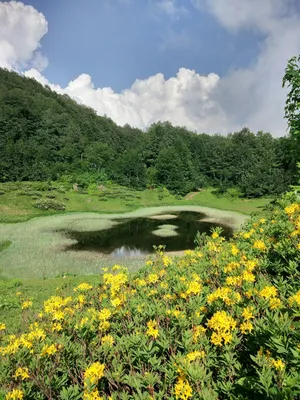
49	204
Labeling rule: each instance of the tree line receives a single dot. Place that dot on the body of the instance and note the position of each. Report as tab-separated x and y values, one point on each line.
48	136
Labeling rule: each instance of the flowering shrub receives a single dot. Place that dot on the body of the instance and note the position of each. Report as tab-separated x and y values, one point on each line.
221	322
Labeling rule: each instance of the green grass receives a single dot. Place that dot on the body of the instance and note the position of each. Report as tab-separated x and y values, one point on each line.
208	198
16	204
37	249
5	244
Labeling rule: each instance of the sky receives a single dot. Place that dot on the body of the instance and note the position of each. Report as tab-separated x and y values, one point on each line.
212	66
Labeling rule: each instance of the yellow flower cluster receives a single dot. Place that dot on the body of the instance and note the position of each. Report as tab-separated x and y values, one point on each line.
183	389
278	364
152	329
194	288
292	209
15	394
268	292
223	325
83	287
295	300
194	355
2	326
260	245
107	339
93	374
26	304
21	373
49	350
226	294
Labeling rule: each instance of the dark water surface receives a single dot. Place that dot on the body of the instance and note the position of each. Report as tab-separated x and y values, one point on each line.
132	237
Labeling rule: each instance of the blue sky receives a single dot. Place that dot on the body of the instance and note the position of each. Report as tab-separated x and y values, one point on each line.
213	66
118	42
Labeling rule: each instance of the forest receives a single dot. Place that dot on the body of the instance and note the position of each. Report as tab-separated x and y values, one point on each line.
47	136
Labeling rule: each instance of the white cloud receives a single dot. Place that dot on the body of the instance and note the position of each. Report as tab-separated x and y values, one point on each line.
21	29
184	100
246	97
253	96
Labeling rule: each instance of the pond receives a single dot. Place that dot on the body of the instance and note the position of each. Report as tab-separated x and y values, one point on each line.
137	236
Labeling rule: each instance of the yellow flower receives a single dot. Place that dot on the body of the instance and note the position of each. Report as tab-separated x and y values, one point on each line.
183	389
166	261
93	373
246	327
108	339
104	314
222	324
83	287
268	292
248	276
116	302
247	314
295	300
26	304
22	373
104	325
152	329
152	278
164	285
2	327
259	245
292	209
234	250
278	364
193	288
15	394
274	303
215	235
194	355
94	395
48	350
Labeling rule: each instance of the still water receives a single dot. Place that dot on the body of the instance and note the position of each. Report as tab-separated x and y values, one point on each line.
134	237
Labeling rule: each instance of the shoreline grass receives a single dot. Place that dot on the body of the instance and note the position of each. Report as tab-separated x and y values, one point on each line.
16	204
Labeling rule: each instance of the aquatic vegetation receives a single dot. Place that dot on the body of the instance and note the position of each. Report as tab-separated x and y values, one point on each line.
220	322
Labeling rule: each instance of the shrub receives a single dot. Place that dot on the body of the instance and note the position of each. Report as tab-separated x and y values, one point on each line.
221	322
49	204
233	193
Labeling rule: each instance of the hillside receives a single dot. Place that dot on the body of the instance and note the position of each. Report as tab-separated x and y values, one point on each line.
47	136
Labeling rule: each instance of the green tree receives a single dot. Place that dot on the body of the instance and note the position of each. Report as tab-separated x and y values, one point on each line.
291	79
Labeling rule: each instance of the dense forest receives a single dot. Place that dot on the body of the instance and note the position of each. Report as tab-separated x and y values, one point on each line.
47	136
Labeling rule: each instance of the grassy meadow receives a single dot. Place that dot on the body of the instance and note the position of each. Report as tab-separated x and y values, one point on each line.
32	260
17	200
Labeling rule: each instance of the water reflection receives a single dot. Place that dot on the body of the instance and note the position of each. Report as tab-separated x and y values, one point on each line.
134	237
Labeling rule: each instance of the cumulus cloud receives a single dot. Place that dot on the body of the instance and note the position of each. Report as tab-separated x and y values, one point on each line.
184	100
246	97
21	29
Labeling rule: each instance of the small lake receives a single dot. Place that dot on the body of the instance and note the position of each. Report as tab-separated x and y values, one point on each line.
137	236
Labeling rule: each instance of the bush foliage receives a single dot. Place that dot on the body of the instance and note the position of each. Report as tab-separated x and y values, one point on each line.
221	322
49	204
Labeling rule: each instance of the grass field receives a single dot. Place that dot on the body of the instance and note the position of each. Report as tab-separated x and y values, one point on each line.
31	260
17	199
